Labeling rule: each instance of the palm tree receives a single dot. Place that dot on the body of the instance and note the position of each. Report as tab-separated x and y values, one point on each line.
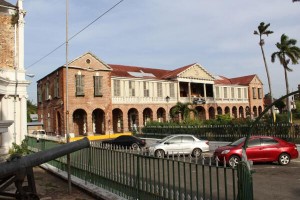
288	51
263	30
182	110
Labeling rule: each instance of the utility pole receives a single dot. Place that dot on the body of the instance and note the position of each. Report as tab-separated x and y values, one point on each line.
67	100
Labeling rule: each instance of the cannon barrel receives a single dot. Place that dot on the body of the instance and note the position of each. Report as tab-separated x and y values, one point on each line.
35	159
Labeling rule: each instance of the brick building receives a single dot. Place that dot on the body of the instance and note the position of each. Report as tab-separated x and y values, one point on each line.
13	86
105	98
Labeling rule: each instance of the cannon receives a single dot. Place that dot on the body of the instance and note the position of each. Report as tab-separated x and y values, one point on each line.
15	170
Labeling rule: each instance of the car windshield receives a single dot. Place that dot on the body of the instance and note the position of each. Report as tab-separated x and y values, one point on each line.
237	142
164	139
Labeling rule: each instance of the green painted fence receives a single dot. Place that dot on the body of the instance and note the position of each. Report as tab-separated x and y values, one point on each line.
133	175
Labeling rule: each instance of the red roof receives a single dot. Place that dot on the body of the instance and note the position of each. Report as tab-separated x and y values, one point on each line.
243	80
135	71
174	73
125	71
223	80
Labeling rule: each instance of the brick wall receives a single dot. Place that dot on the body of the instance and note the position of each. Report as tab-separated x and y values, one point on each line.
55	107
6	41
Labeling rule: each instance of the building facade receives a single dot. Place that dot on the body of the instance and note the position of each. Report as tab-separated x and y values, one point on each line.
13	86
105	98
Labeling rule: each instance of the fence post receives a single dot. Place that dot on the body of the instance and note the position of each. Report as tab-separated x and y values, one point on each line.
137	176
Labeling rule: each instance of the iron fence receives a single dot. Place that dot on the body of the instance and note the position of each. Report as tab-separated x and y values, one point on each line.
132	174
289	132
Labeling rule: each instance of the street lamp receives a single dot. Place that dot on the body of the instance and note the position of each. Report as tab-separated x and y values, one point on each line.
168	113
30	75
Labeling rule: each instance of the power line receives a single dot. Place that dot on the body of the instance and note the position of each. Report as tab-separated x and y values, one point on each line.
75	34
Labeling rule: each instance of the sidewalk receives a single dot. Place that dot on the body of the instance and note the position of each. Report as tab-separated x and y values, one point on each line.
51	187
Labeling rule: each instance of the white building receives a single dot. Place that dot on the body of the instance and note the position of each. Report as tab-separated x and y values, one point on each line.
13	85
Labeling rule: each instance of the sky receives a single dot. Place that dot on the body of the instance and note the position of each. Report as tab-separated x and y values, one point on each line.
164	34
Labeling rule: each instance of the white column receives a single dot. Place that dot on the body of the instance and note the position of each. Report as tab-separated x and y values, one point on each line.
20	46
7	114
23	118
189	88
178	91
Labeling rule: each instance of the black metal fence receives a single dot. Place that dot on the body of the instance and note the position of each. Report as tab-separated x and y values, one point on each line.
289	132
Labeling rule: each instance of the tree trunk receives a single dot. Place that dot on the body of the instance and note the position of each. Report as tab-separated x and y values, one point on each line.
269	81
287	92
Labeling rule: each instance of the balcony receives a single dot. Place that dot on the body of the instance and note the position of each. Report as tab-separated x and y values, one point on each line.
142	100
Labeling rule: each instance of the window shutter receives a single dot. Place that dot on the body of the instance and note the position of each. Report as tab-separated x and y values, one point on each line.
159	90
97	86
116	88
172	93
79	85
39	95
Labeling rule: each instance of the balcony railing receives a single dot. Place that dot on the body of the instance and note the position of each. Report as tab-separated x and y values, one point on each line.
162	100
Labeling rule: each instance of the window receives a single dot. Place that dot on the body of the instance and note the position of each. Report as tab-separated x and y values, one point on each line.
268	141
239	93
254	142
260	93
187	139
232	93
159	90
39	94
174	140
79	84
225	93
172	93
245	93
117	91
254	93
131	88
56	87
98	86
47	91
146	89
217	92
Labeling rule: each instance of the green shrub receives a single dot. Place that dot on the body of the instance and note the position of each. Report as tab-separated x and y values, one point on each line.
19	150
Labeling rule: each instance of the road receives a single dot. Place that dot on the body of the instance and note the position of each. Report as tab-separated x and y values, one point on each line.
272	181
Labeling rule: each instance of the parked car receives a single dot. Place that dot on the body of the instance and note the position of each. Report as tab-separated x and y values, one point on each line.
179	144
260	149
39	132
126	141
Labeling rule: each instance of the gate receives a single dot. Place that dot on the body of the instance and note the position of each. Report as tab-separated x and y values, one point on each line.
245	183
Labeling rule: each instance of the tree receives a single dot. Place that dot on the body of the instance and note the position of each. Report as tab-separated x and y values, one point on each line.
263	30
288	51
280	105
31	109
182	110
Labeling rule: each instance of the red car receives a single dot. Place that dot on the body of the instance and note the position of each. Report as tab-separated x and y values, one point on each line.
260	149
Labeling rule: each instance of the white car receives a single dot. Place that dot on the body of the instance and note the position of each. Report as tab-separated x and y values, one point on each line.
179	144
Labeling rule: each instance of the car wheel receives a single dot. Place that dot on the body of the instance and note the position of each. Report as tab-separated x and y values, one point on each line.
284	159
160	153
234	160
135	146
197	152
